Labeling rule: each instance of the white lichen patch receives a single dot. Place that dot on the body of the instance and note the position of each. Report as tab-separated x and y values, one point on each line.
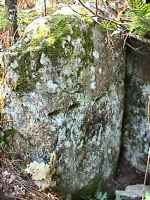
39	171
69	38
38	86
52	87
40	174
146	90
14	65
96	54
100	70
93	85
59	119
44	60
77	44
93	69
11	79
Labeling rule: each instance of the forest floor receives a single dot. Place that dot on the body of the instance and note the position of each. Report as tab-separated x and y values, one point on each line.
126	175
15	184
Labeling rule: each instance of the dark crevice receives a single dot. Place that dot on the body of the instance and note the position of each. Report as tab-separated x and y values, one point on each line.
127	51
126	174
53	113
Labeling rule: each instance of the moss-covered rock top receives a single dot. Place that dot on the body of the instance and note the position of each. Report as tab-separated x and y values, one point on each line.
56	38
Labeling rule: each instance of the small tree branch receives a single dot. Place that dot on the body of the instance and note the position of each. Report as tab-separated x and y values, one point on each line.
141	39
96	5
45	8
86	7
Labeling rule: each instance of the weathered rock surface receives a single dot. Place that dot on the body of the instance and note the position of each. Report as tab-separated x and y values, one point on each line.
63	94
137	130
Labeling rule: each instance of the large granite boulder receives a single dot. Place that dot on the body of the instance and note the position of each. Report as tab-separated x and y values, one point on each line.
64	95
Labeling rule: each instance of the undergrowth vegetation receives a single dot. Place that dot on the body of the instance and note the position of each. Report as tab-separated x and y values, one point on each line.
25	17
135	19
139	15
3	19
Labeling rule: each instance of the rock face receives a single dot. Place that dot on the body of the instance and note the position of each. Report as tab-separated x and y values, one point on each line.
137	132
64	94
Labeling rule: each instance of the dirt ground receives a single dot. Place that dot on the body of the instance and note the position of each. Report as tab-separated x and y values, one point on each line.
15	184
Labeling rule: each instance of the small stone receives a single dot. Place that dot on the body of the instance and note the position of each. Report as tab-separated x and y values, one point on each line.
132	192
12	178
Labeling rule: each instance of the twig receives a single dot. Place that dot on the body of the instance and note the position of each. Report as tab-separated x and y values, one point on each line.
141	39
81	14
96	5
86	7
135	49
125	40
101	16
45	8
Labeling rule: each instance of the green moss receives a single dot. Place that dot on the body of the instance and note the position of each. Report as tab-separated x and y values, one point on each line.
5	136
62	27
90	190
27	76
3	19
106	26
24	18
52	40
87	43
